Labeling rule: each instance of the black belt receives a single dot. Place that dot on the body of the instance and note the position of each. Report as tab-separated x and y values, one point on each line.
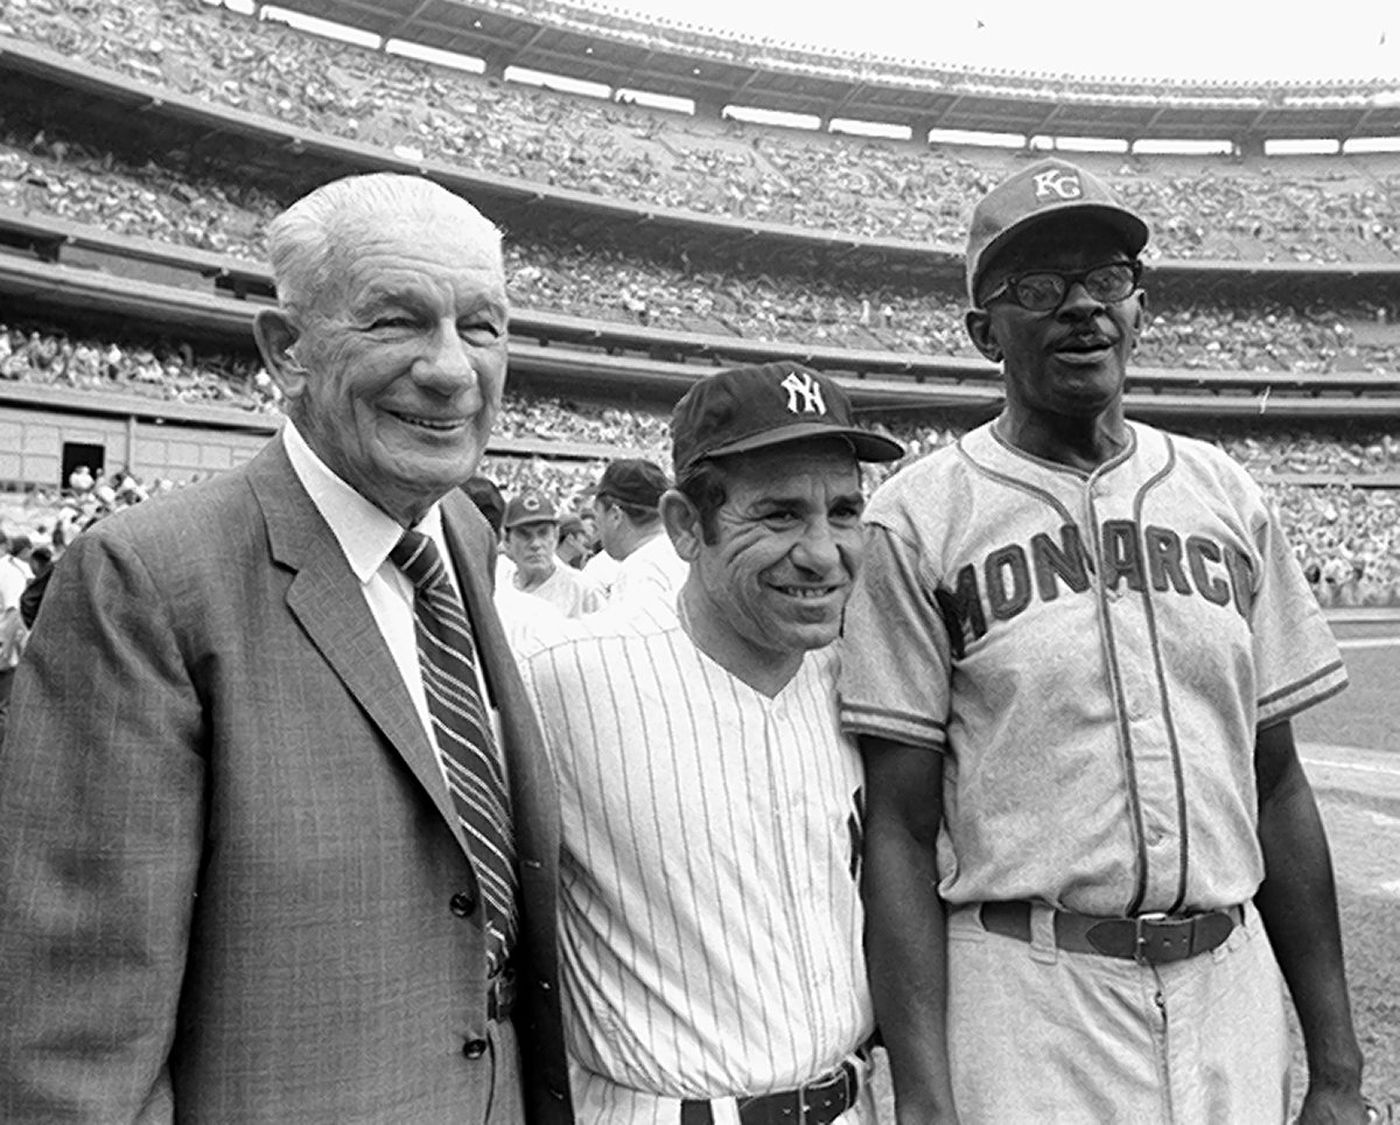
500	995
817	1103
1153	939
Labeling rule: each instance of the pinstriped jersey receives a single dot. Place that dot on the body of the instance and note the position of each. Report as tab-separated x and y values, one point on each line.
1093	652
711	924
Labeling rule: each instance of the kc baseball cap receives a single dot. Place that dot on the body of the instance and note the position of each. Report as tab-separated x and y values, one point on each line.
530	507
754	407
1046	188
631	480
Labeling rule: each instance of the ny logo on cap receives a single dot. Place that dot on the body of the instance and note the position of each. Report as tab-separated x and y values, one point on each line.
1057	182
801	385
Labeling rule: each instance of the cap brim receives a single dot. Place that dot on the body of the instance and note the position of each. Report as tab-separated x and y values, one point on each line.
868	446
1132	228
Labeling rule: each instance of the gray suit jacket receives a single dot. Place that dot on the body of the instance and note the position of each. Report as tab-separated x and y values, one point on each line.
226	850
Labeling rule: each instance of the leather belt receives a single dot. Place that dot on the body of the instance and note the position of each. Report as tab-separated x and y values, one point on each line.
817	1103
500	995
1150	939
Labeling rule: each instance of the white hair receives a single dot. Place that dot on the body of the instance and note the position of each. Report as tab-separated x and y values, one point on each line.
304	242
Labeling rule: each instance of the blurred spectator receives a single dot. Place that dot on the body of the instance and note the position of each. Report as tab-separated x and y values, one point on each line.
531	529
41	560
15	575
629	527
573	541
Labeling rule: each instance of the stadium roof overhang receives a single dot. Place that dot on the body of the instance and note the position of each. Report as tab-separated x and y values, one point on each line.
778	79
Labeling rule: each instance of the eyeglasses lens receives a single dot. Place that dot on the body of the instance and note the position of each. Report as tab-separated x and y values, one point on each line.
1041	292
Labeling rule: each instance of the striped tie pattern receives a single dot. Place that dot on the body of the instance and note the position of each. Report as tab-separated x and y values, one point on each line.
474	774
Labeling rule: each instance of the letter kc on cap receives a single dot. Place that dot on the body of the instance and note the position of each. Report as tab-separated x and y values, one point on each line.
1045	189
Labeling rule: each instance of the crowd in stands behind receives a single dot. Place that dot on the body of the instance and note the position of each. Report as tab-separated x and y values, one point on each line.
47	174
167	371
854	186
45	354
1348	538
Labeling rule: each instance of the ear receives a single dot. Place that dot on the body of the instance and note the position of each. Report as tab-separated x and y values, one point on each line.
979	328
682	522
1140	316
275	334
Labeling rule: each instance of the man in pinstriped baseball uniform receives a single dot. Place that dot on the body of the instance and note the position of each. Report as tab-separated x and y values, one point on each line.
712	937
1071	662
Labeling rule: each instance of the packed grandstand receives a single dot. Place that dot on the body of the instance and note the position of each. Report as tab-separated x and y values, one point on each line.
144	146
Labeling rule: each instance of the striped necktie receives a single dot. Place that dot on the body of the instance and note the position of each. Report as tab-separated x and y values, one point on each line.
474	774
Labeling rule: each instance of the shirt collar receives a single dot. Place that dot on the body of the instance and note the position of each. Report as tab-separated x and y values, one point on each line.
366	534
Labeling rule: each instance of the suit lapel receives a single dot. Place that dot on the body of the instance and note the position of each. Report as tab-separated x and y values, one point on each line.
325	598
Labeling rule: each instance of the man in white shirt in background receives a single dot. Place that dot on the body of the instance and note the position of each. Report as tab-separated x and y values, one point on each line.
632	534
531	537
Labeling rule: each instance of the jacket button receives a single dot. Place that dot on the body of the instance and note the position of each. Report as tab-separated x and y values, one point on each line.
474	1048
462	904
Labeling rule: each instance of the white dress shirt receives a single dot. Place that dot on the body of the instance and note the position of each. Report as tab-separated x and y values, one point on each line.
366	535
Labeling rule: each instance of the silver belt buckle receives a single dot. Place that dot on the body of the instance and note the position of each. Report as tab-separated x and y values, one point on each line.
1139	938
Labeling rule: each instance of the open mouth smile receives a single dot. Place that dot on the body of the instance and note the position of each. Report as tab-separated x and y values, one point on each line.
807	593
436	425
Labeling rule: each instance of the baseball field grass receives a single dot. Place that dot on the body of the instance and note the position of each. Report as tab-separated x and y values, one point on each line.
1351	748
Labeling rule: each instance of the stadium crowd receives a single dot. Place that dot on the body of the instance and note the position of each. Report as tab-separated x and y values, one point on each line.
857	186
47	174
1348	537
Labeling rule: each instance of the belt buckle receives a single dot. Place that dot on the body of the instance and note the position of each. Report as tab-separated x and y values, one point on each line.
1140	937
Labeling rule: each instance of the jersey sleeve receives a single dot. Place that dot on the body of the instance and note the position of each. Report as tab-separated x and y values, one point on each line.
1296	658
896	659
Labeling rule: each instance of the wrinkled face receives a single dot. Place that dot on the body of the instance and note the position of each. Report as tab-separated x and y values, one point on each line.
405	354
1071	361
786	548
530	546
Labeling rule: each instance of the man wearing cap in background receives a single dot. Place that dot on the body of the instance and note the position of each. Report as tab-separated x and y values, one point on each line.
531	536
711	805
1071	664
573	541
631	532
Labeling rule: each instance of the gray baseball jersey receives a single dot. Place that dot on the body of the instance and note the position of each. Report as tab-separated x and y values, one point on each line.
1093	652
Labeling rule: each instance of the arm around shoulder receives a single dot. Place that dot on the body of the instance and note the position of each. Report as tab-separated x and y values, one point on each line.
101	802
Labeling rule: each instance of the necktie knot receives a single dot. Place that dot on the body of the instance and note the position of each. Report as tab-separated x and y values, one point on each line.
417	556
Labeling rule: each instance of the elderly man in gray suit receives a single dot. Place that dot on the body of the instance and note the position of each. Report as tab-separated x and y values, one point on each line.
276	842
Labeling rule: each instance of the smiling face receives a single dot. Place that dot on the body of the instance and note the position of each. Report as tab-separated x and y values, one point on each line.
403	357
771	579
1070	362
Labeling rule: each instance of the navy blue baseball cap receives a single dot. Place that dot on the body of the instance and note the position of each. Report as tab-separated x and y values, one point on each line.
751	408
530	507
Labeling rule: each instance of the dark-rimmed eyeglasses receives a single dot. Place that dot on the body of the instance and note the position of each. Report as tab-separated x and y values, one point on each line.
1045	290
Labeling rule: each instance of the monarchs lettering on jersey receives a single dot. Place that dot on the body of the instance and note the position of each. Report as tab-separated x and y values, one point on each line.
1139	559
